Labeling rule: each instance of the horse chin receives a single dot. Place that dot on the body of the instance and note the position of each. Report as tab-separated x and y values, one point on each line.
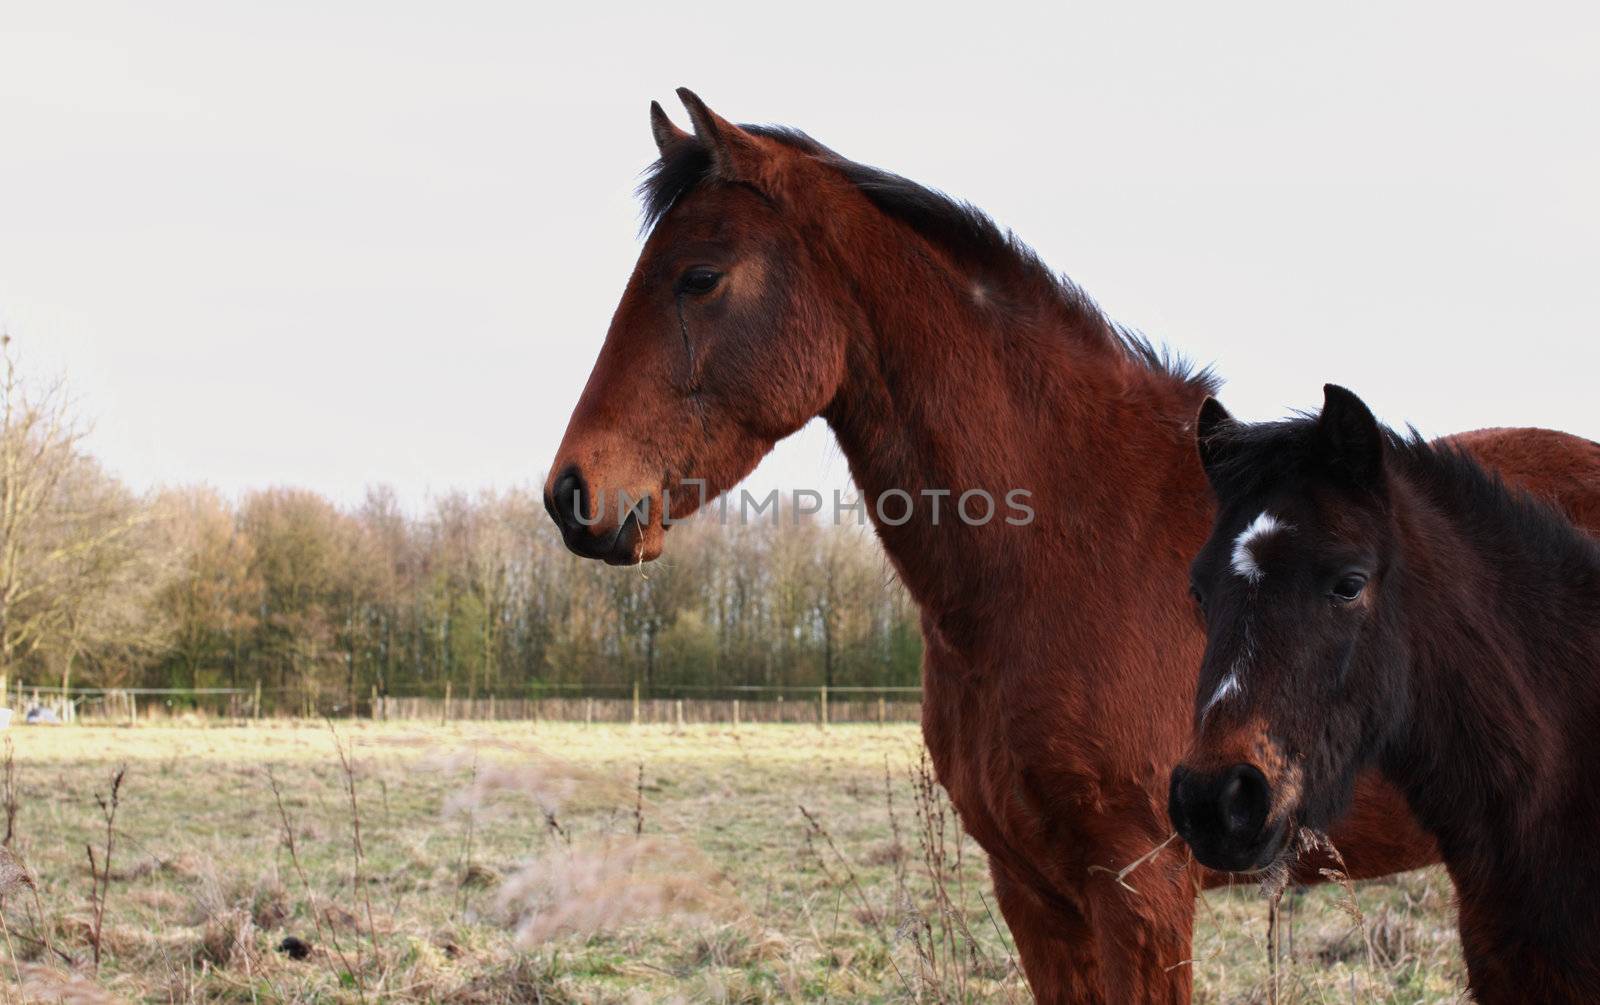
648	543
635	542
625	545
1277	846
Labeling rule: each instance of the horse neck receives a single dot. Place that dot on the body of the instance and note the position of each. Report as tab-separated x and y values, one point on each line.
1502	642
957	384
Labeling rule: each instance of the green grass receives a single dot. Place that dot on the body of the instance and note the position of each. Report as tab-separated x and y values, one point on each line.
707	883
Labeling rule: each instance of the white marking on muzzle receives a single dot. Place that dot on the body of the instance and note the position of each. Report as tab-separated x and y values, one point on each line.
1229	686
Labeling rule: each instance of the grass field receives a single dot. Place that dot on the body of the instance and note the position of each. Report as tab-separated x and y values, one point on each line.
546	862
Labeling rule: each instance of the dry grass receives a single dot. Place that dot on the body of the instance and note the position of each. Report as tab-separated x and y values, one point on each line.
564	863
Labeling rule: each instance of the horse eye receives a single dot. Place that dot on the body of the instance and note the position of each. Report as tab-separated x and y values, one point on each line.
1194	593
699	281
1349	587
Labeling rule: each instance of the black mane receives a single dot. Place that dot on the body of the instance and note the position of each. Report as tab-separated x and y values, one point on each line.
961	229
1506	517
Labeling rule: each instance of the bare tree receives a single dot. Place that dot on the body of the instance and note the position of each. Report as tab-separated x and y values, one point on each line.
212	598
104	589
54	523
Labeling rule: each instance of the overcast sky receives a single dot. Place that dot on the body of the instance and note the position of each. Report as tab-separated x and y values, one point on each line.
332	244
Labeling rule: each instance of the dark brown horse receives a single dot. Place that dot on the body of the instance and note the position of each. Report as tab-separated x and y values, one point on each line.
1372	599
781	282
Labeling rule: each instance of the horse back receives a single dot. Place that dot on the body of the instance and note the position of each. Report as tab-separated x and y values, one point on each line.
1560	468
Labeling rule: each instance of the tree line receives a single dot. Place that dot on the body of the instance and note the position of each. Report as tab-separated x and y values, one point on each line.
184	588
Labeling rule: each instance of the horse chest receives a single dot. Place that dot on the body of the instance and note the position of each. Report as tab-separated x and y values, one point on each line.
1024	785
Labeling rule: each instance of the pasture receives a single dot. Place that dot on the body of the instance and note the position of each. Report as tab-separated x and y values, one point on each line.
551	862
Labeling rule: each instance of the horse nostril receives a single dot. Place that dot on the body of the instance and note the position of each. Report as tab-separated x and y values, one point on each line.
566	499
1221	815
1230	790
1243	801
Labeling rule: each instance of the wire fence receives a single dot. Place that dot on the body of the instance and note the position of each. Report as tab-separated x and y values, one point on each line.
636	704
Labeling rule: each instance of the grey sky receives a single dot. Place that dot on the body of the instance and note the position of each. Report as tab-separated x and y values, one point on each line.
333	244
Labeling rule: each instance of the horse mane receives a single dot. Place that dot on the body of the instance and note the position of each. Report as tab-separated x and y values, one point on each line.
965	232
1446	474
1509	518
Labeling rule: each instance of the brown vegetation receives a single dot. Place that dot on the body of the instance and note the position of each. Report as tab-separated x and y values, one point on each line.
560	863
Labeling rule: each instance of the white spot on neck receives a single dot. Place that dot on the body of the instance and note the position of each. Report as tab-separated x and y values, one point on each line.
1244	558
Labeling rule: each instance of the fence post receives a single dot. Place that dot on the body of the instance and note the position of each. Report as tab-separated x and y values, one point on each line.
883	710
446	704
491	708
636	703
736	714
677	709
588	711
822	706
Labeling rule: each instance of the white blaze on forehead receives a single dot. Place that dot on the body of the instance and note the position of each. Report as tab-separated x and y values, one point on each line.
1244	559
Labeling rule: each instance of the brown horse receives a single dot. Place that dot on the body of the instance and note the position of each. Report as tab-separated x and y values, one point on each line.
1372	599
781	282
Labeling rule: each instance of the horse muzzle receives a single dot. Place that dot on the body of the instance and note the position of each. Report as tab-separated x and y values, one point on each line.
1224	816
582	520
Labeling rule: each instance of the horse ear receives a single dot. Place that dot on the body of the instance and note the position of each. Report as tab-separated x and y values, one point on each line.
1351	435
668	136
735	154
1212	420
